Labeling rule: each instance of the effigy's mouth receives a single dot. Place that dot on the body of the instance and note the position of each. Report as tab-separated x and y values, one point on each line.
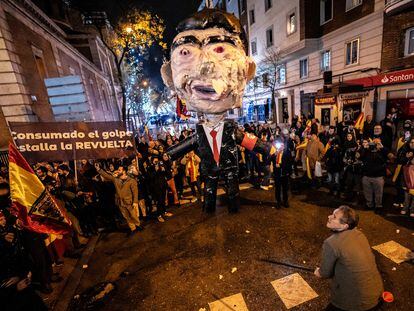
205	90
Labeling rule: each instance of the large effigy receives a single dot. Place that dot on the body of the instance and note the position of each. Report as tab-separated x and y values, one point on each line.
209	69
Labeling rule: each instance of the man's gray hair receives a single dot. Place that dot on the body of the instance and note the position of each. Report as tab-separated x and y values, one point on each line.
349	216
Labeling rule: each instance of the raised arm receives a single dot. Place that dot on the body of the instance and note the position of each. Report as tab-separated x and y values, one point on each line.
103	173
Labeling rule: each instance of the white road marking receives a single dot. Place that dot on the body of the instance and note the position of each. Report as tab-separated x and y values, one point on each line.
293	290
393	251
231	303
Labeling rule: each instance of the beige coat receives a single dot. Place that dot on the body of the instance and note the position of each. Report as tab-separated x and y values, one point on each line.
127	190
314	151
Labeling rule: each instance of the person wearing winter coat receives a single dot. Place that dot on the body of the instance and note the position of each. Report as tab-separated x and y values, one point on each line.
282	168
334	166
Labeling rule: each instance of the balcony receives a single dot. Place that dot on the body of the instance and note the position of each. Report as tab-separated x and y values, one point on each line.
397	6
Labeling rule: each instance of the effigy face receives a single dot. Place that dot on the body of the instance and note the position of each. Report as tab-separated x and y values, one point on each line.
209	69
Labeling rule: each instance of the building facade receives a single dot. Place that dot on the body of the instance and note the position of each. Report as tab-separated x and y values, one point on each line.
46	40
395	86
307	41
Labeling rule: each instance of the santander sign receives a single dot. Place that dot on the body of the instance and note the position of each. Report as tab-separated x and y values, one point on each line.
397	78
387	78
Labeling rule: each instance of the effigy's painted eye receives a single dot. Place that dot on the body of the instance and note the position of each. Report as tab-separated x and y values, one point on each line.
219	49
184	52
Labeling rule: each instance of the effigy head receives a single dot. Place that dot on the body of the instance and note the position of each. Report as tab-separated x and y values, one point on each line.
209	66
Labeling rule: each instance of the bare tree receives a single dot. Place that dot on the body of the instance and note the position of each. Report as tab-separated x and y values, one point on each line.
268	68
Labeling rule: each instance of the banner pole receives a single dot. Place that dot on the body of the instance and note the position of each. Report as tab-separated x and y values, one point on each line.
76	171
75	166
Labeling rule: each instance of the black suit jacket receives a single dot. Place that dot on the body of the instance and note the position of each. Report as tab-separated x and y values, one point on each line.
232	136
228	151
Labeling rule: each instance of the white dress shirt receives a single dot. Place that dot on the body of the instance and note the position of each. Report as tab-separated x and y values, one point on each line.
219	129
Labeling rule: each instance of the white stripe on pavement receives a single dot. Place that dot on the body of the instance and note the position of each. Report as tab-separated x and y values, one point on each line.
393	250
231	303
293	290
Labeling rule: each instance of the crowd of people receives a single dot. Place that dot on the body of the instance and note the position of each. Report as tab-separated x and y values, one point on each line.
143	188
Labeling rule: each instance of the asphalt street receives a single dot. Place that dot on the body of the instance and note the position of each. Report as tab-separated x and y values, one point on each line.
194	259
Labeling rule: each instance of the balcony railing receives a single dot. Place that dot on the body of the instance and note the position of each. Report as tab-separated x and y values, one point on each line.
395	6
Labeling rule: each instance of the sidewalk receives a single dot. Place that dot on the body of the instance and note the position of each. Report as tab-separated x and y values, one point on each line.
71	272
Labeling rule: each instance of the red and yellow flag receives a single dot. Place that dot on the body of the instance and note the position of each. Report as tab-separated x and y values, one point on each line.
35	207
181	109
328	145
307	130
359	122
279	159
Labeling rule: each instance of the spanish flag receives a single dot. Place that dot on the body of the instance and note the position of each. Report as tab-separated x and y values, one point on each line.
359	122
328	145
279	159
181	109
31	201
307	130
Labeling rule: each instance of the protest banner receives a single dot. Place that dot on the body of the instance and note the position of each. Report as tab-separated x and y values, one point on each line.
65	141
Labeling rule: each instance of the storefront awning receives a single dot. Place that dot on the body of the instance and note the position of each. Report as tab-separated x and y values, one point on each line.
402	76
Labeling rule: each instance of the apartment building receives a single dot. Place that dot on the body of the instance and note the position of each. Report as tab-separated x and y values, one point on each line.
44	39
305	39
394	85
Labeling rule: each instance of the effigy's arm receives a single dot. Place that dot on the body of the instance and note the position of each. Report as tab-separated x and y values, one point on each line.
253	143
183	147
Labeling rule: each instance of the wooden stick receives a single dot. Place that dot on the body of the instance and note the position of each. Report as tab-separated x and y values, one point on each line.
287	265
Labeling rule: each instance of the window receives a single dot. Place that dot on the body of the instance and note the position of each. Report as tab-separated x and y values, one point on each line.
269	37
268	4
350	4
41	68
326	61
281	74
265	78
251	16
409	42
352	52
40	63
243	5
303	68
291	23
253	45
326	11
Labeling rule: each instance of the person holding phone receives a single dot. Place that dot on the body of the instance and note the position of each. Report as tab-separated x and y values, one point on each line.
282	168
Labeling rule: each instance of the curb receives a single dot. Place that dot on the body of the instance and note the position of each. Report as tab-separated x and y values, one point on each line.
72	283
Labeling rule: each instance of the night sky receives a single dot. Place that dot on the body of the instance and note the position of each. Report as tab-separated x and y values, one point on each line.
172	11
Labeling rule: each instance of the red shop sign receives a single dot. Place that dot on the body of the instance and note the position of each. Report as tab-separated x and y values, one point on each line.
402	76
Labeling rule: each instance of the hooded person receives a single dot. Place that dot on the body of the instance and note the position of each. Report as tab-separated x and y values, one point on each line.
209	70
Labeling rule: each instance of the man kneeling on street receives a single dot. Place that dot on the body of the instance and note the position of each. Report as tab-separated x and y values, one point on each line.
347	259
127	193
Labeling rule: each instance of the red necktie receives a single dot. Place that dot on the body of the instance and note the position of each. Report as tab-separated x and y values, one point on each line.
213	134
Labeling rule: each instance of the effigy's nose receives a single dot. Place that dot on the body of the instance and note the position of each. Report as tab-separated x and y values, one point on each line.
206	67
